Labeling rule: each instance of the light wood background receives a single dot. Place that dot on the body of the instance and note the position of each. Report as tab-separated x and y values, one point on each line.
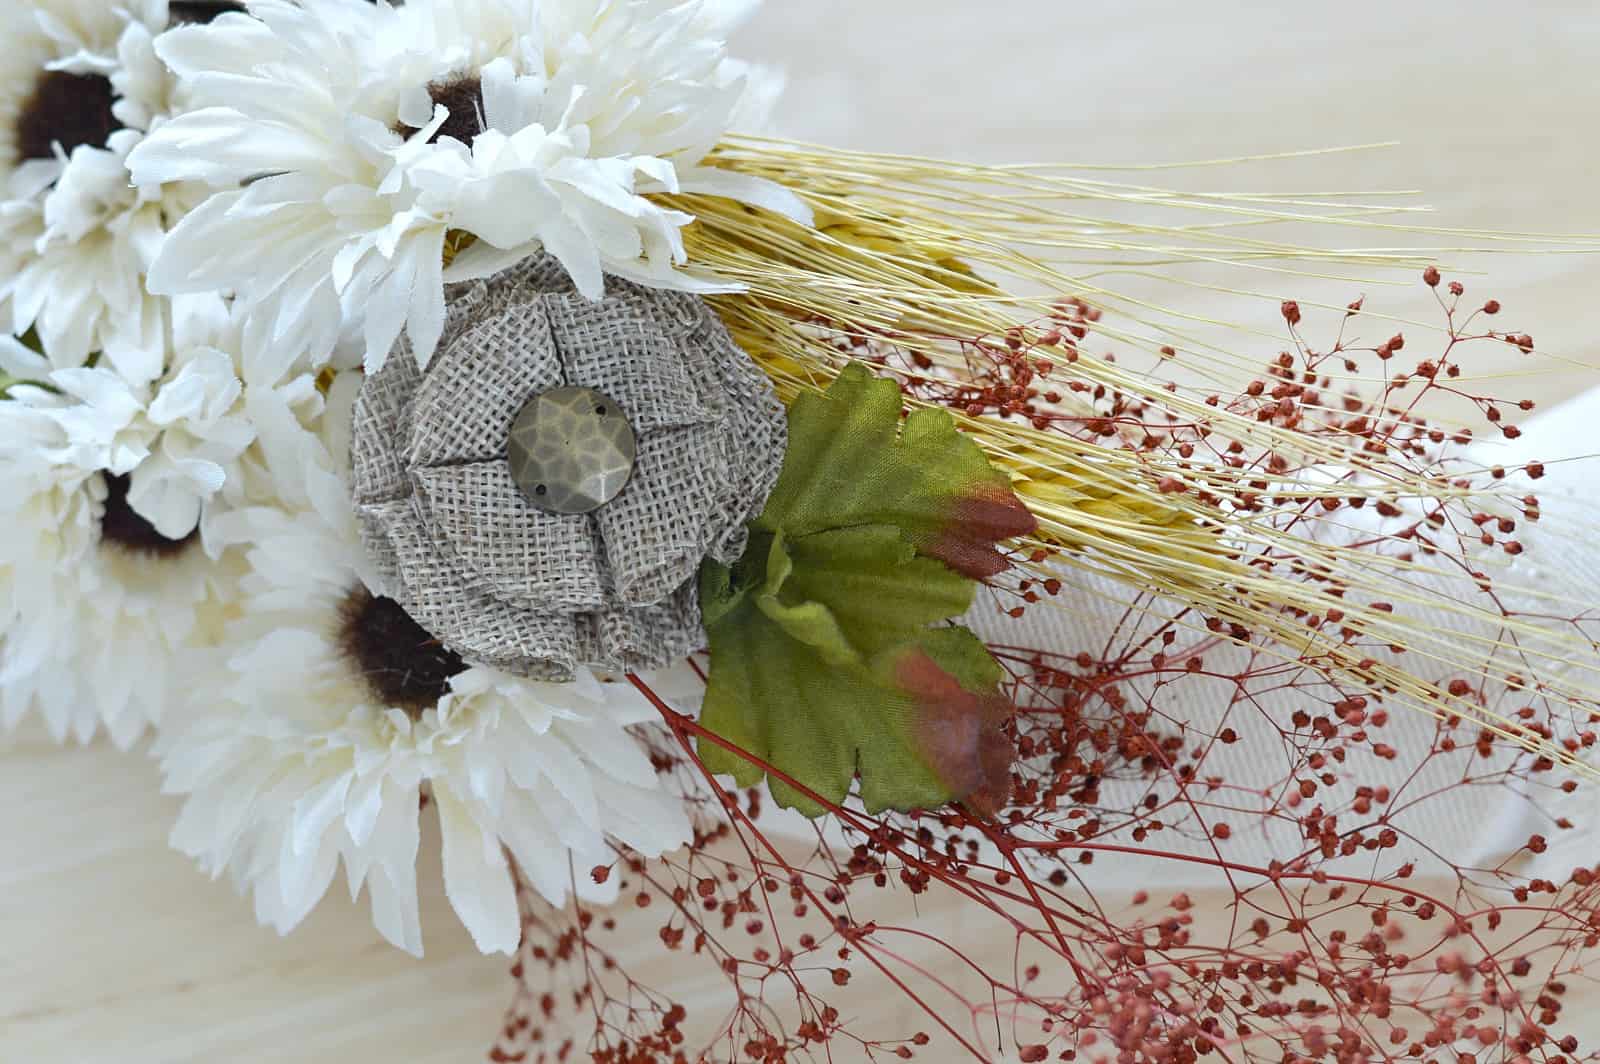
113	950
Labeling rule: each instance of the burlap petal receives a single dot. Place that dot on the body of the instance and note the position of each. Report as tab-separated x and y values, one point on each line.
474	624
618	351
755	436
506	584
381	428
536	560
479	382
643	638
647	547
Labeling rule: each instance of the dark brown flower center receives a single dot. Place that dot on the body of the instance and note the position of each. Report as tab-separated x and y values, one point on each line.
66	109
403	665
462	96
123	528
200	11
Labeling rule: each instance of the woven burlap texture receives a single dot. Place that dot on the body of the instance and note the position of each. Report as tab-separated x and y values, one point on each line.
505	584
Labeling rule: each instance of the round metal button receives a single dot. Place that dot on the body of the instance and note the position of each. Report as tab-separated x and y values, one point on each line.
572	450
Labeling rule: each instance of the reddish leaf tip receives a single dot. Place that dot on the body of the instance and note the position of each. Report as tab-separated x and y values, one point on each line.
959	733
989	514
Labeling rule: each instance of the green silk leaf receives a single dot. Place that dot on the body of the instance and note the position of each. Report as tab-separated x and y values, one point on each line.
832	655
849	463
823	665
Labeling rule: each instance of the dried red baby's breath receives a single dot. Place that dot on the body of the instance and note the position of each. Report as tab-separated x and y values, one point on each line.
1318	918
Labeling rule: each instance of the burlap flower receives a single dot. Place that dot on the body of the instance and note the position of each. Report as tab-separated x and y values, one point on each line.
504	583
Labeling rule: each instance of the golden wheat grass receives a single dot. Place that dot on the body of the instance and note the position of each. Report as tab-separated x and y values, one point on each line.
927	259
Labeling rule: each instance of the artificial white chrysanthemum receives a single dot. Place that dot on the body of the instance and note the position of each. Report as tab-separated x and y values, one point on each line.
109	494
331	712
80	86
99	601
344	140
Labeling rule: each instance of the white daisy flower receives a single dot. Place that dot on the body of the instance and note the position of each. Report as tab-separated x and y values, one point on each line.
81	86
99	601
109	494
344	140
333	712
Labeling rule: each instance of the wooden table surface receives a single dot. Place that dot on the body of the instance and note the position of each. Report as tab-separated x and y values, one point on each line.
114	950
